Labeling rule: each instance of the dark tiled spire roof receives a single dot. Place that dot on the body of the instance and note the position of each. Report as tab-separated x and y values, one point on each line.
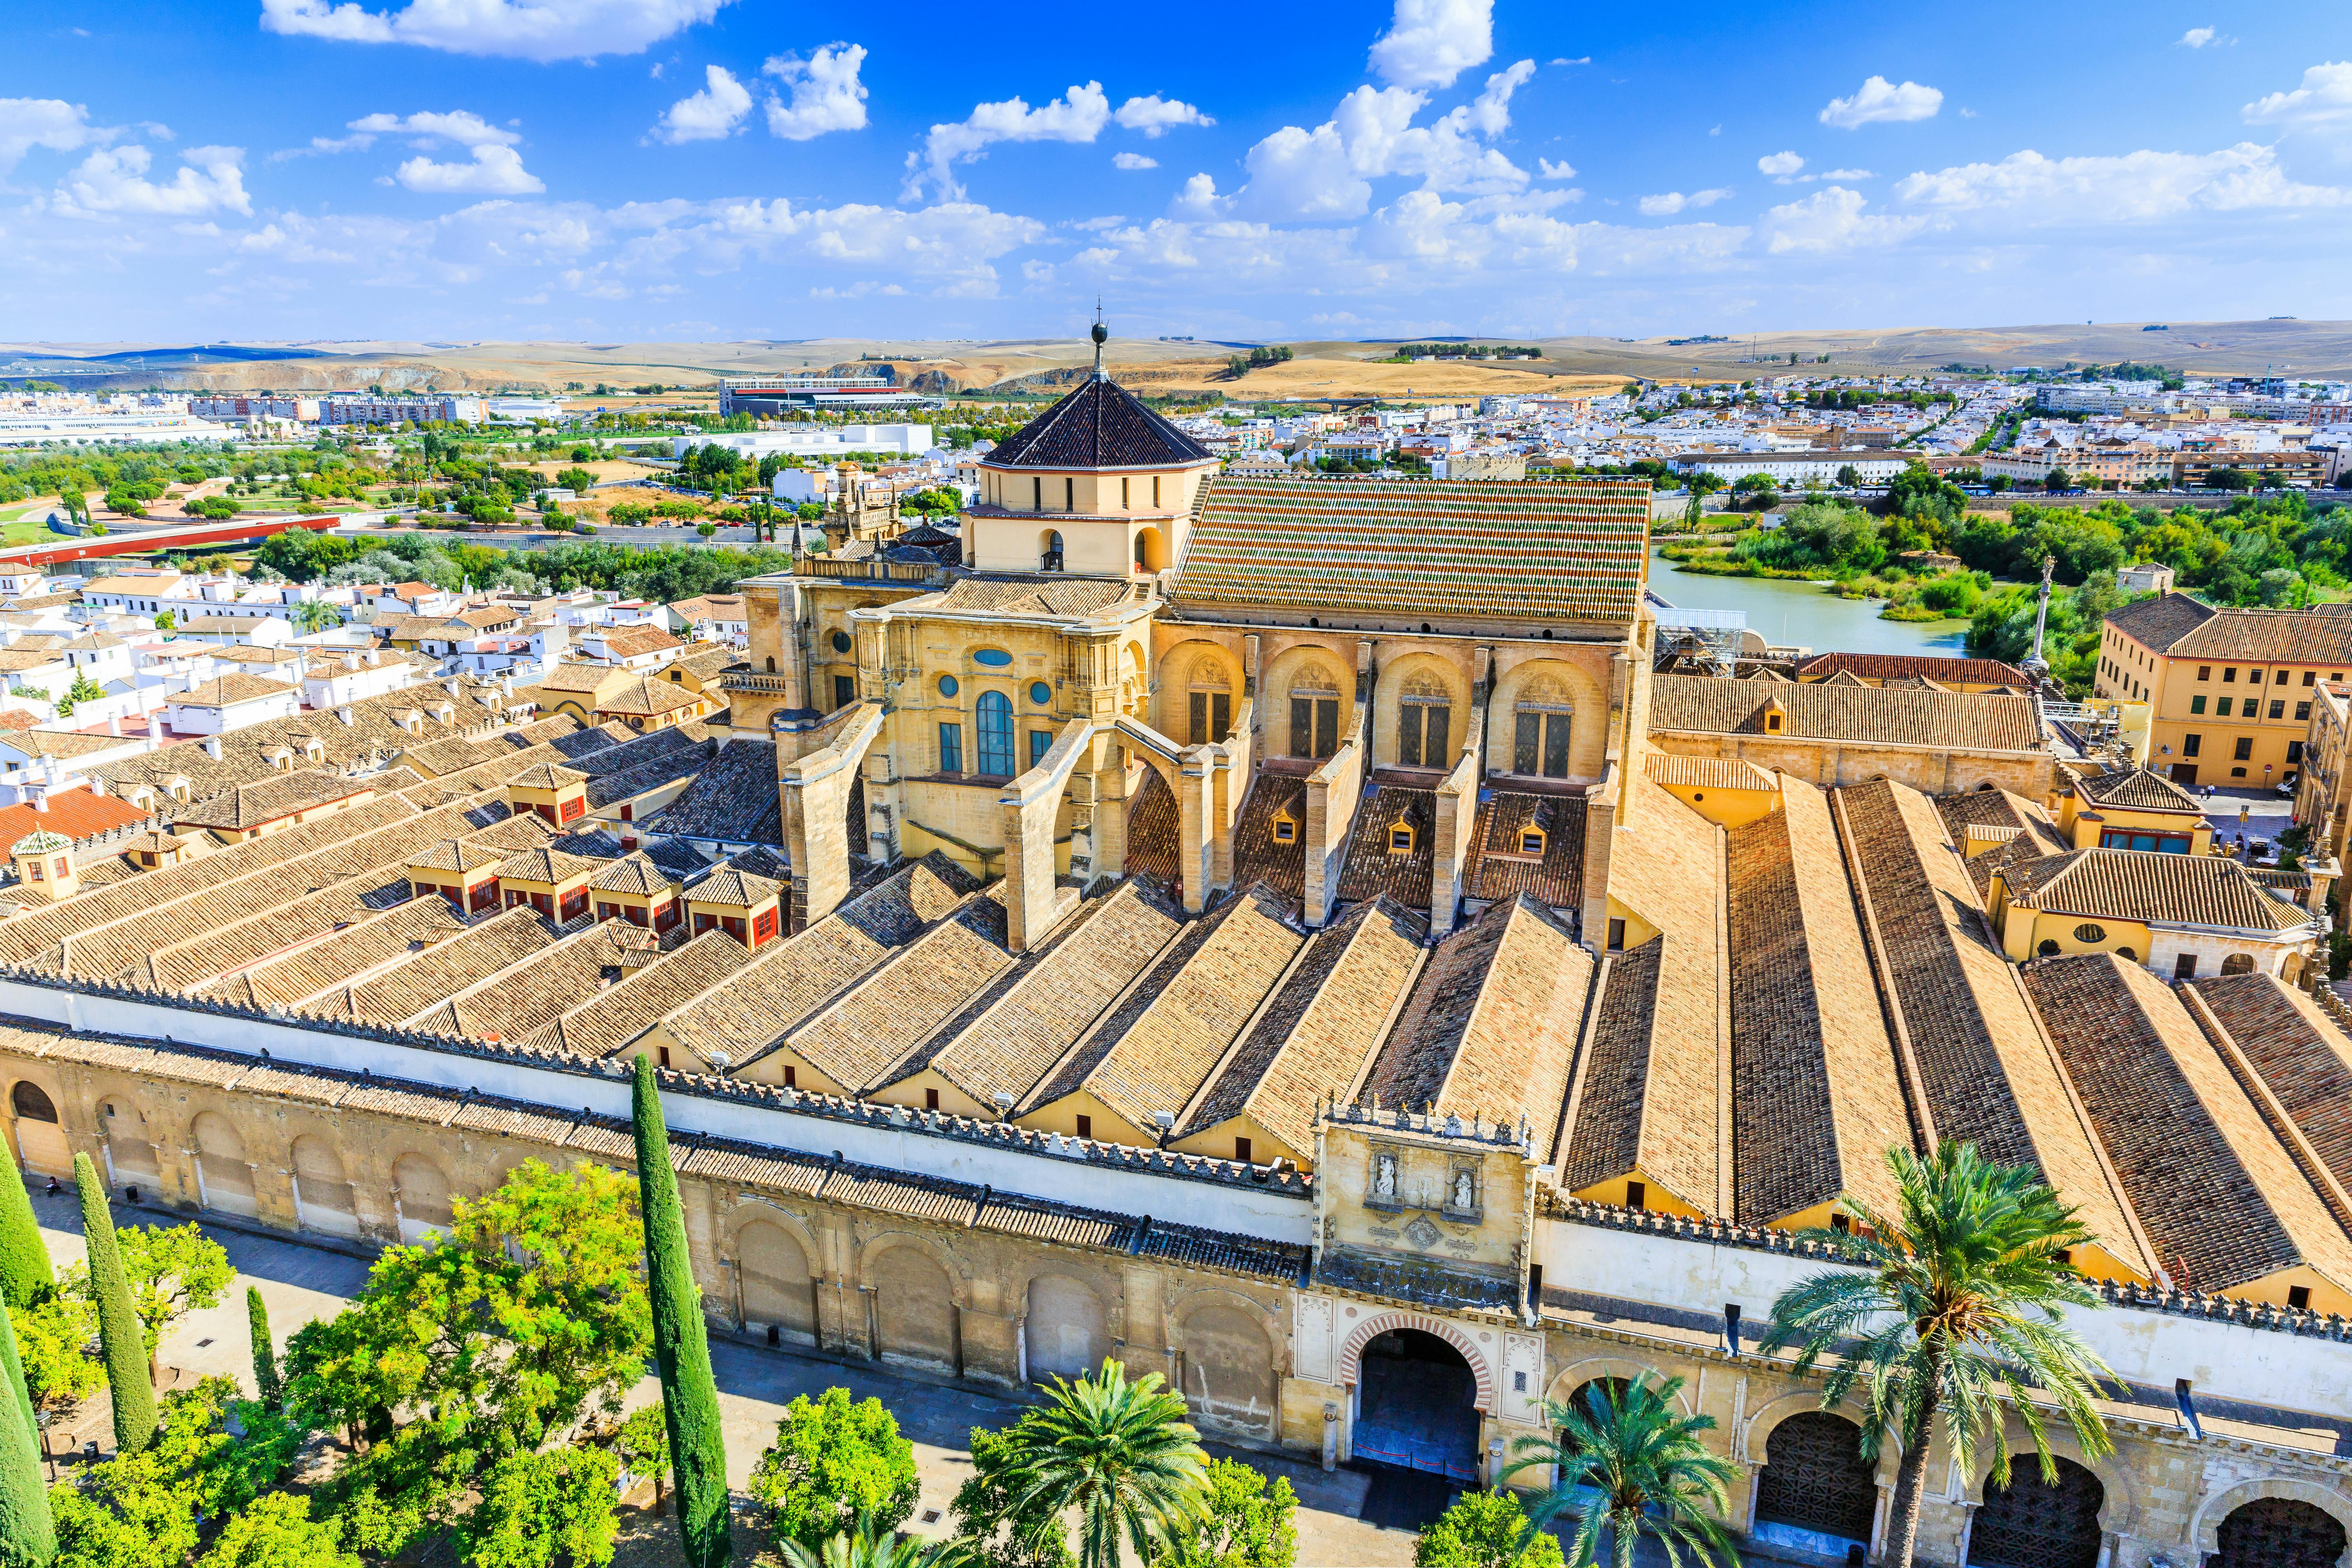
1099	425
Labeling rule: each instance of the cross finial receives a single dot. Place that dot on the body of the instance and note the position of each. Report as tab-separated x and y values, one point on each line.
1100	334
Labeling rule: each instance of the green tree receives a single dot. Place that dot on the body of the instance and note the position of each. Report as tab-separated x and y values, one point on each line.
1849	477
643	1443
835	1462
681	1350
992	1531
1649	1467
1242	1523
864	1546
119	1330
54	1337
27	1536
538	1505
172	1273
142	1509
83	689
1485	1529
1119	1454
264	1348
25	1274
1963	1301
316	615
276	1531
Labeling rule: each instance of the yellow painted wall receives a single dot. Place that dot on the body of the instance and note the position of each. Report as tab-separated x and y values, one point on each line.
1108	1125
1216	1142
1657	1200
1728	807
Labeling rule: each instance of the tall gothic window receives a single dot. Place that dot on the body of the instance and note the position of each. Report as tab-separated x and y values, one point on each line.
1315	715
994	714
1210	703
1424	724
1540	742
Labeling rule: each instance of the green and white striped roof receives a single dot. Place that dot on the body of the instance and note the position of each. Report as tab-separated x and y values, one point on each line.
1563	552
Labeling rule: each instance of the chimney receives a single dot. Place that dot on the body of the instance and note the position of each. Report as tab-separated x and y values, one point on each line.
114	725
374	656
347	714
213	747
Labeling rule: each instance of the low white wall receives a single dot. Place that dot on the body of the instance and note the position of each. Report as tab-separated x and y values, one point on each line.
2227	1360
1244	1209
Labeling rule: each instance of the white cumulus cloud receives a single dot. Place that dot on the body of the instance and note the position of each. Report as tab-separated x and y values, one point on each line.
1673	202
495	171
466	128
1779	165
1156	116
1431	42
717	111
1831	219
2129	188
113	180
825	92
1563	170
527	29
1132	160
1079	115
1326	171
2321	106
30	123
1880	100
2197	37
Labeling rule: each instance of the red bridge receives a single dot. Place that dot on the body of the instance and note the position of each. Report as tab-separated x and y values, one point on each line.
229	531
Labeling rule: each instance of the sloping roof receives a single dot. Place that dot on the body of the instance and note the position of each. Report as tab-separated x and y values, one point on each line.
1893	666
632	873
236	687
1706	773
250	805
1422	549
2188	627
547	776
645	699
2220	1196
2303	1055
734	799
1099	425
2147	885
2137	789
456	854
628	642
544	863
1012	594
1888	716
862	1035
1374	870
76	812
1815	1098
732	887
616	1017
1496	870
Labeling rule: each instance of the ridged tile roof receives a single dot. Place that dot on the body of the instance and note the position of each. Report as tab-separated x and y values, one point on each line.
2137	789
1893	666
2302	1056
1888	715
1099	425
1422	549
2188	627
2147	885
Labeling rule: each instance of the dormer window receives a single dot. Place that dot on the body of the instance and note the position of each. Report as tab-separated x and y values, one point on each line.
1286	828
1400	838
1531	842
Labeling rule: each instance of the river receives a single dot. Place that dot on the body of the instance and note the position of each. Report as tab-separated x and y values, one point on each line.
1787	613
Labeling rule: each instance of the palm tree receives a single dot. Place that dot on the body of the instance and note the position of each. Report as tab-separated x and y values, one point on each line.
1651	1471
1121	1453
316	615
860	1546
1964	1301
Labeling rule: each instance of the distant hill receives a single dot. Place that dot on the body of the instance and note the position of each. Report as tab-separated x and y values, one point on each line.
1321	369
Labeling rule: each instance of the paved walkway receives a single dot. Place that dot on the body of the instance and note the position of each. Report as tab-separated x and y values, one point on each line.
300	1282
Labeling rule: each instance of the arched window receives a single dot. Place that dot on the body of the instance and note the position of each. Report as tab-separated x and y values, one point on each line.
32	1104
1049	550
2238	963
1211	696
994	714
1540	742
1315	713
1425	724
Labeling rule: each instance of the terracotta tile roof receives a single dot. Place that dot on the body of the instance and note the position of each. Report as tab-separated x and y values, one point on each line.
633	873
1373	869
249	805
1893	666
456	854
330	959
791	979
2188	627
545	863
2147	885
1016	1033
1496	870
1320	1028
536	991
618	1017
1099	425
547	776
411	985
1152	839
1009	593
2302	1054
860	1038
77	813
1662	1095
223	691
1987	1074
643	698
1816	1101
1490	1026
734	799
629	642
1954	719
1257	857
1153	1051
62	744
2137	789
1569	551
1706	773
2221	1198
573	676
737	889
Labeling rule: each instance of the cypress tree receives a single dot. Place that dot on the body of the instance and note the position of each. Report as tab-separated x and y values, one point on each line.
25	1271
119	1333
265	1351
681	1350
27	1536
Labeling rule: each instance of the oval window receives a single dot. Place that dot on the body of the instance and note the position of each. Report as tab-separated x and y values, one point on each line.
841	642
1041	694
2086	932
994	657
948	686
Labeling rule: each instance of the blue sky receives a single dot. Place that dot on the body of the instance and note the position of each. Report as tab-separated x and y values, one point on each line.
630	170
